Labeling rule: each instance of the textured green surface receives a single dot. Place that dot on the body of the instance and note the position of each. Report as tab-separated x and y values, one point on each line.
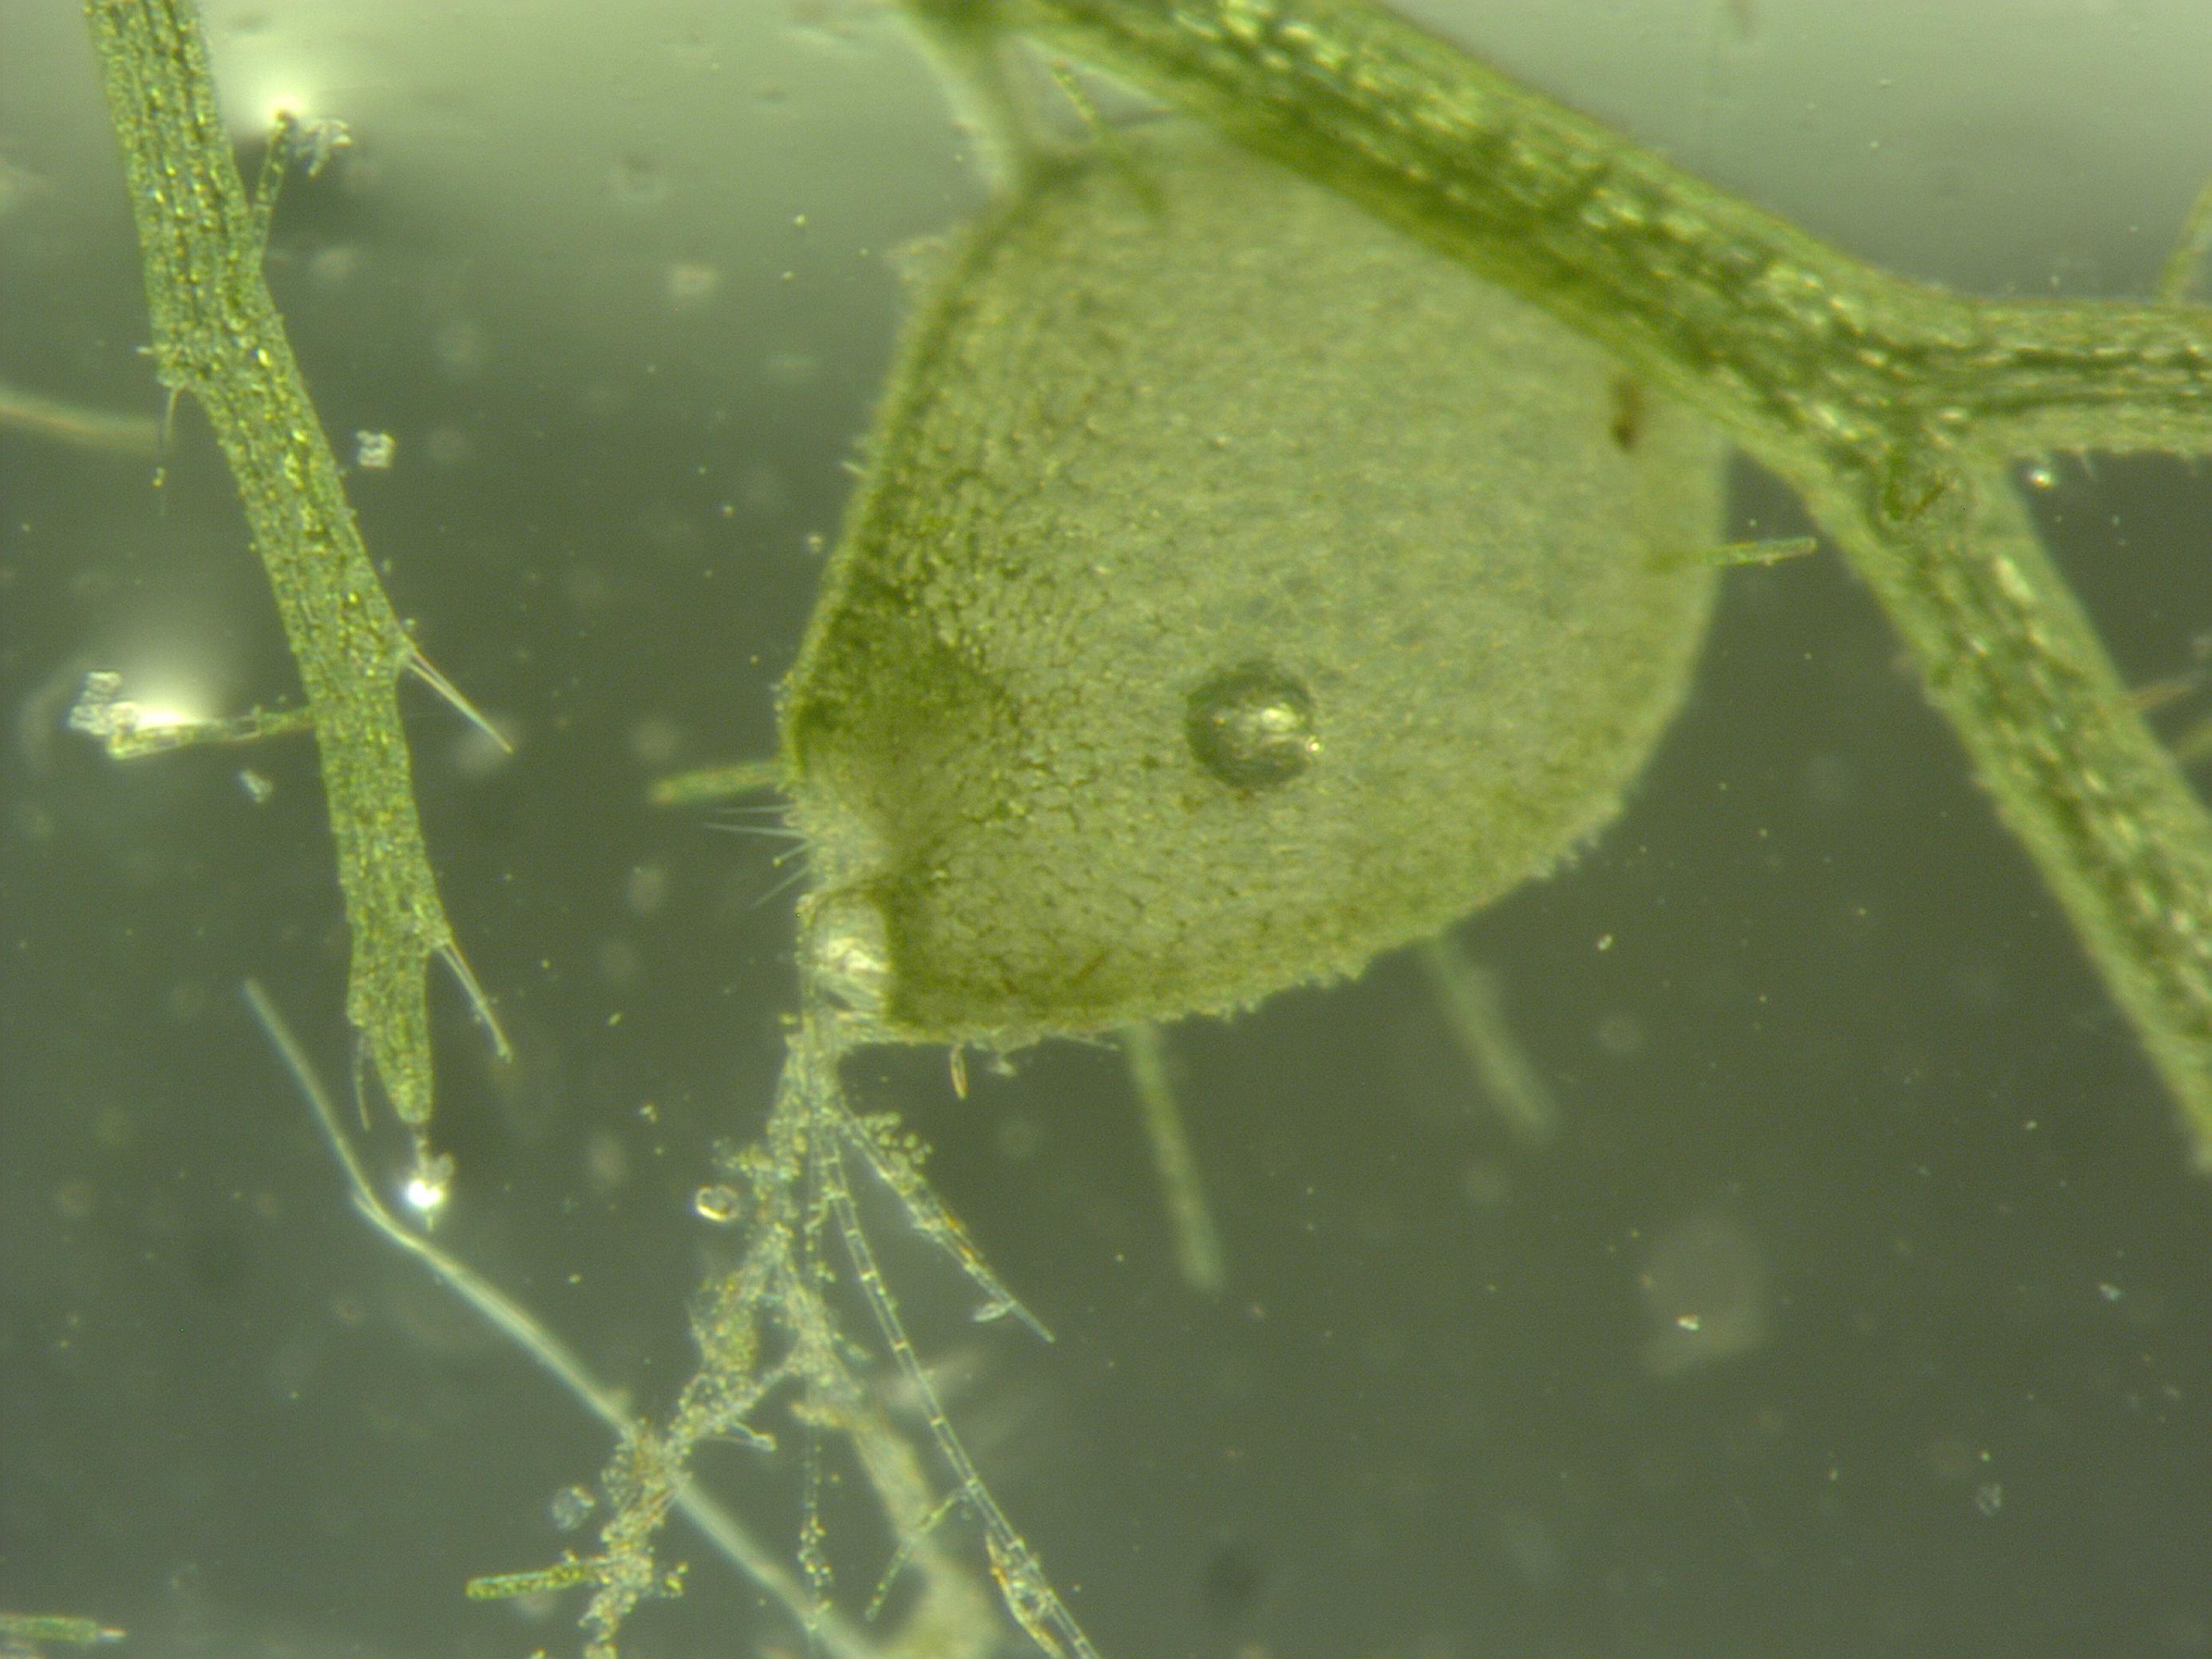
1177	413
217	336
1887	404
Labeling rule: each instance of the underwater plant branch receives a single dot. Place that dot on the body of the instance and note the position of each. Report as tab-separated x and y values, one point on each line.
764	1329
2080	374
2099	802
1468	994
1886	403
35	415
2186	263
217	336
1730	308
894	1156
19	1631
1190	1218
814	1094
725	1531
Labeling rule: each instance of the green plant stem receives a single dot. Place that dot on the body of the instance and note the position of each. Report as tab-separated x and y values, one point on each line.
1889	404
217	336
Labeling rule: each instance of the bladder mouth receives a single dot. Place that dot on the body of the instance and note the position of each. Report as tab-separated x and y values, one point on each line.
845	953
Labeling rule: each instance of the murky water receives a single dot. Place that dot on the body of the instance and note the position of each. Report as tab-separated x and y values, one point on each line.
1860	1303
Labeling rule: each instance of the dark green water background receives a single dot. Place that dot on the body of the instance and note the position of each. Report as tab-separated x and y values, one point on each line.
1837	1027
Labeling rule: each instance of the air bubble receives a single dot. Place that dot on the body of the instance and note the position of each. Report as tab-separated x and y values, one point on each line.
573	1506
1252	726
718	1204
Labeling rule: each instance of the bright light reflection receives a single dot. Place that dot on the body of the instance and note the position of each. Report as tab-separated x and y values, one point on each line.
157	716
426	1193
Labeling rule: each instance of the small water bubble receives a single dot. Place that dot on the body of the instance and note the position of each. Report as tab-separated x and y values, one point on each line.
1252	726
718	1204
1704	1286
2040	475
690	284
572	1506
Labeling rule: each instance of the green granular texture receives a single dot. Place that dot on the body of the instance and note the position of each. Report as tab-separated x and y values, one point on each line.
1172	412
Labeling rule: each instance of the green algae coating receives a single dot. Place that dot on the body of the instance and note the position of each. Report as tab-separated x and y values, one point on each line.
217	335
1171	413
